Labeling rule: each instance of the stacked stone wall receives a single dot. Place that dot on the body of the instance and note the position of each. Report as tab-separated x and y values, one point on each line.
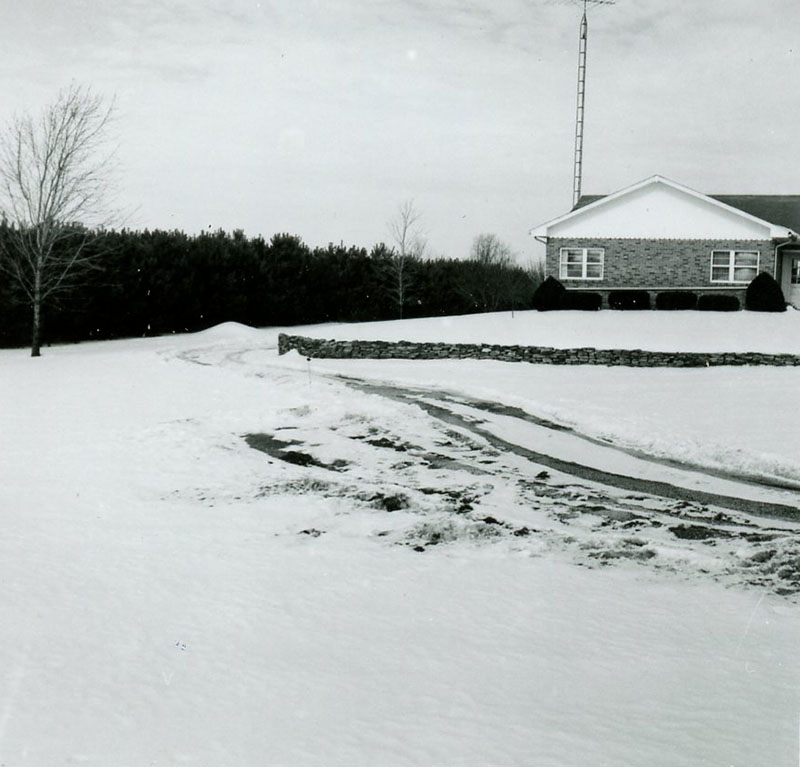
540	355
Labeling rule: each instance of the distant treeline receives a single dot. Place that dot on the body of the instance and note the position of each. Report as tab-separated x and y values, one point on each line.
157	282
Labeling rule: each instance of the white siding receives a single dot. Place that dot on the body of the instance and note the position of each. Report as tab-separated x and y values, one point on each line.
660	211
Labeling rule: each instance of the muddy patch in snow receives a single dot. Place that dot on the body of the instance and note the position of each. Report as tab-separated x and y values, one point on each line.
283	451
433	481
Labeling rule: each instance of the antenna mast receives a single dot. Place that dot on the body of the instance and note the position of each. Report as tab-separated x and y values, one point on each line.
578	171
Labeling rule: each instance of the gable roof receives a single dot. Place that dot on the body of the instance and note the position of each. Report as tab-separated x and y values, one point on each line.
781	209
777	212
588	199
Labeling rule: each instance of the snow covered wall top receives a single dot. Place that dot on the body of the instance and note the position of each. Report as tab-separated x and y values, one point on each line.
541	355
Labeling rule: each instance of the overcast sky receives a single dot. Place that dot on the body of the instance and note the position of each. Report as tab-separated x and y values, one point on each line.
320	118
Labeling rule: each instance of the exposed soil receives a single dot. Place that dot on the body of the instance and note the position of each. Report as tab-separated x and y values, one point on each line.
278	448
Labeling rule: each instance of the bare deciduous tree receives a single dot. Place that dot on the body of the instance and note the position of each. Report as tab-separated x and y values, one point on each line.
490	249
409	247
490	278
54	176
535	269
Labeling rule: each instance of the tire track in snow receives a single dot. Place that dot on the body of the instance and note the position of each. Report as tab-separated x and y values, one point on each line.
441	412
444	412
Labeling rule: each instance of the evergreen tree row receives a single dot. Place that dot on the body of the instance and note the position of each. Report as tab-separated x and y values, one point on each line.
157	282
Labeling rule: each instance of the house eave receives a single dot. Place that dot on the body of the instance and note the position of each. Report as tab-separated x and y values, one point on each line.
777	236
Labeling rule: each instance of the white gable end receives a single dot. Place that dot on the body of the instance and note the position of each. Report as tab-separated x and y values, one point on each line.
658	210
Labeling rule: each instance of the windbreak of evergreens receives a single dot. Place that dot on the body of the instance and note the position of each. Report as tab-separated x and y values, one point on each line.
157	282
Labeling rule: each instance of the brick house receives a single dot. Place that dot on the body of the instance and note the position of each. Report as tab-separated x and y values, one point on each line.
661	236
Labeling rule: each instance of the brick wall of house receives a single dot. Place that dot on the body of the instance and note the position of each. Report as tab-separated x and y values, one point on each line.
670	264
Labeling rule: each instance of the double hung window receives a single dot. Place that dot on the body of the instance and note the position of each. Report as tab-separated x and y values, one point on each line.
581	264
794	275
738	266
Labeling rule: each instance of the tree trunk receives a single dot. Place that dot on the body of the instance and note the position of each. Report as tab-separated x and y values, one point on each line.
401	284
401	298
36	332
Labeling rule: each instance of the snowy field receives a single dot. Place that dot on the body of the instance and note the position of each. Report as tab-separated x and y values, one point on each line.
213	555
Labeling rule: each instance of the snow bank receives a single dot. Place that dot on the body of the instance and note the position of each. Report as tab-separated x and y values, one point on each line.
229	331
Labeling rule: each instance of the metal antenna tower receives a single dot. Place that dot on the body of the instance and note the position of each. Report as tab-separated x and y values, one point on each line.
578	169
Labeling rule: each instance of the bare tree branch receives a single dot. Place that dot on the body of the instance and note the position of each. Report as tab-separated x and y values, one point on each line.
489	249
490	278
410	246
54	191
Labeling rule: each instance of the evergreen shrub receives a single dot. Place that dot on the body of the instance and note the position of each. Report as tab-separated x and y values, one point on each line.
629	299
764	295
548	295
676	300
716	302
580	301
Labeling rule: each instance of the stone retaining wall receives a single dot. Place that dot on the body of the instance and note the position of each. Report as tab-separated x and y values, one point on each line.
540	355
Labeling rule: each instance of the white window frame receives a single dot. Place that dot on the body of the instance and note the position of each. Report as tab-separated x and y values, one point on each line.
732	266
584	262
794	270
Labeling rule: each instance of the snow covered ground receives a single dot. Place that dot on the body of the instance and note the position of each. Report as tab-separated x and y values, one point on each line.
211	555
734	417
652	330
